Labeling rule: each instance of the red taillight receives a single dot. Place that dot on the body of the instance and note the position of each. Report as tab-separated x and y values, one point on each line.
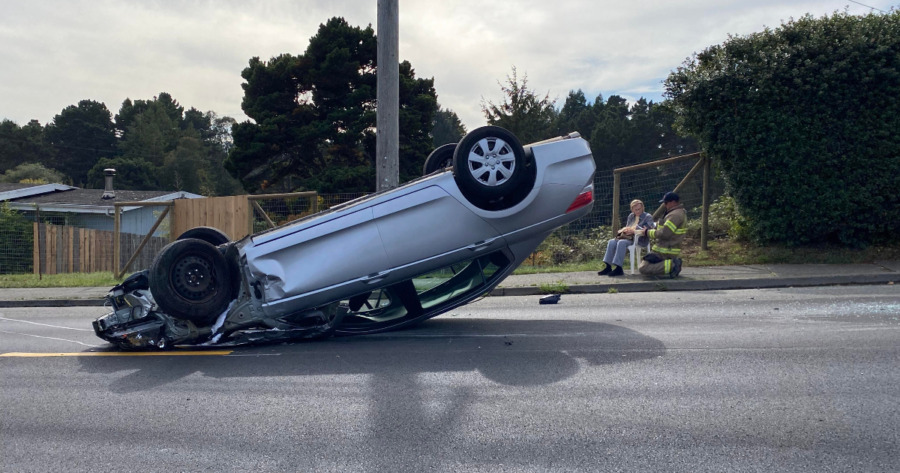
583	199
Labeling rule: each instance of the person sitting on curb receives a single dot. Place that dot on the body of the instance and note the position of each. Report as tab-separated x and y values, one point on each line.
618	246
664	256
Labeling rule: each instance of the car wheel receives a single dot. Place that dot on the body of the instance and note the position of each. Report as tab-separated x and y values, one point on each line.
190	280
213	236
440	158
490	166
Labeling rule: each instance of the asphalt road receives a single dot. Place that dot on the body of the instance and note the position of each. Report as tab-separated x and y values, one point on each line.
755	380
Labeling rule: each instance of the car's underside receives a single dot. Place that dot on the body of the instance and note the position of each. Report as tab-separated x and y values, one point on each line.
137	322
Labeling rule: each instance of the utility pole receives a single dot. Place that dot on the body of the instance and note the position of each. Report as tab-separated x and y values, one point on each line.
387	120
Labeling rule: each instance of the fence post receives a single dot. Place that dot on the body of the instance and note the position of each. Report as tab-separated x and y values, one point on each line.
117	241
697	167
617	180
37	219
704	223
250	212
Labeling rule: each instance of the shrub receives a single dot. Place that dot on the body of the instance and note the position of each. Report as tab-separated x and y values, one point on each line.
562	247
724	221
803	120
16	241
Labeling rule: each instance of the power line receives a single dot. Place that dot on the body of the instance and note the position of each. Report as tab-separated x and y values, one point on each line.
867	6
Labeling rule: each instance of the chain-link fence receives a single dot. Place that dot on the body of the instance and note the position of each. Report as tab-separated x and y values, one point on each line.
647	185
76	240
585	239
16	241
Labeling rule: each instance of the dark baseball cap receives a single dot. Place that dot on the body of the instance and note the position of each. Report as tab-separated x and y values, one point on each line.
669	197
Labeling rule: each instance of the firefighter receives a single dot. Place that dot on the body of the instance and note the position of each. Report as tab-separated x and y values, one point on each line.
664	257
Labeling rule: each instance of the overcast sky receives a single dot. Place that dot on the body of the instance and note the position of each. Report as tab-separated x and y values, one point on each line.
56	53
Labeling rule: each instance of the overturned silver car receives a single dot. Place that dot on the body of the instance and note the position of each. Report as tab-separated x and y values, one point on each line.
381	262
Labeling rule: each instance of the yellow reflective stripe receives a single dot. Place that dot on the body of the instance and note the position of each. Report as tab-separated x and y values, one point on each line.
678	231
667	267
667	251
651	233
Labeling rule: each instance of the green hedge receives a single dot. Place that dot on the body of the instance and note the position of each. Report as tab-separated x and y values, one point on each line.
803	121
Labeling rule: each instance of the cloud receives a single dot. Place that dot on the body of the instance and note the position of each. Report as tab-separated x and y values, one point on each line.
59	52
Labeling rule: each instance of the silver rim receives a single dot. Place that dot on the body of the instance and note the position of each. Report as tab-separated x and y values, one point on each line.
491	162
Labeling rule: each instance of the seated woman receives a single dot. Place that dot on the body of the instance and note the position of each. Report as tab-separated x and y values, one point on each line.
617	248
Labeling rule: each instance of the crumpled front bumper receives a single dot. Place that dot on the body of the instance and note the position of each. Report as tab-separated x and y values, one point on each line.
136	323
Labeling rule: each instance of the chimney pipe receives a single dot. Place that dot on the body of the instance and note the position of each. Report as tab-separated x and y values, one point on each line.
108	191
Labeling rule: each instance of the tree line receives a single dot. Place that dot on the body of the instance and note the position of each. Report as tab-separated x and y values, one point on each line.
311	127
802	118
152	144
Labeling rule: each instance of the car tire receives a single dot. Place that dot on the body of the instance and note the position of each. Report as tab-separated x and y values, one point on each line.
190	280
491	168
440	158
213	236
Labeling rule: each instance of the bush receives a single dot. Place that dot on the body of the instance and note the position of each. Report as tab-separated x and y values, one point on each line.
32	173
16	241
803	120
561	247
724	221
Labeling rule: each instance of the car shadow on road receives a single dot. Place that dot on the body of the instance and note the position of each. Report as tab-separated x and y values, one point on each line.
398	390
509	352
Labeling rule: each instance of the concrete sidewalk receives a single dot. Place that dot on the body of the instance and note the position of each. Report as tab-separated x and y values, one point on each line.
707	278
691	279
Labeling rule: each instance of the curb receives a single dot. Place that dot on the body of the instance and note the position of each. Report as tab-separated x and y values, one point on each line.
660	285
53	303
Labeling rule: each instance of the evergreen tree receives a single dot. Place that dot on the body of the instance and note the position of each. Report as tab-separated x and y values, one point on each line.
314	116
576	115
81	135
522	111
132	173
20	145
447	128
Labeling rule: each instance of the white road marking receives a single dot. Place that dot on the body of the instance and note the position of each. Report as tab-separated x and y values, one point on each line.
46	325
51	338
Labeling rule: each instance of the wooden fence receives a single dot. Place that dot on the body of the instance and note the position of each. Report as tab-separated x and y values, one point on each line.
230	214
68	249
65	249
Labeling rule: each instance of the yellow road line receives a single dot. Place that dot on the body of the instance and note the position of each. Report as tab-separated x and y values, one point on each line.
119	353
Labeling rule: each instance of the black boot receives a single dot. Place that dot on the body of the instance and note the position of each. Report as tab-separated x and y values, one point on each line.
605	270
676	268
617	272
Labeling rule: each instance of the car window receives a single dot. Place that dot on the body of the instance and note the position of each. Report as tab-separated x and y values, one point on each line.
432	290
446	284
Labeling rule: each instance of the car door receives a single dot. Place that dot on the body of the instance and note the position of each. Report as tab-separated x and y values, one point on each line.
428	229
304	267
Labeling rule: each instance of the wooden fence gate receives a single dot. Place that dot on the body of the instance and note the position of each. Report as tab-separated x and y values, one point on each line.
231	214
